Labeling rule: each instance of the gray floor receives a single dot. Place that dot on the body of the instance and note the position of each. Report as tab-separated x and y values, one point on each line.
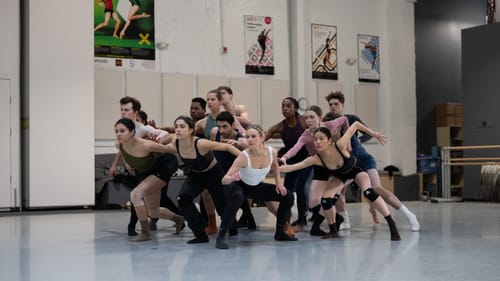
458	241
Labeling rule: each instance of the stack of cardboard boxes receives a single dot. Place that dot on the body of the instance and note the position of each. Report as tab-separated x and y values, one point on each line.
449	115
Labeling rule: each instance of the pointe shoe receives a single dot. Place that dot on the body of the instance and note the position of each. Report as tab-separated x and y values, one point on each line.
374	215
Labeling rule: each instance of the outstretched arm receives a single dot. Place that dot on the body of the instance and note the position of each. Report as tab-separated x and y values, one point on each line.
233	174
309	161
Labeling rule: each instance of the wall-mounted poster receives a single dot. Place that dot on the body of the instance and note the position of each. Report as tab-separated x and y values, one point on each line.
324	51
124	34
259	57
368	58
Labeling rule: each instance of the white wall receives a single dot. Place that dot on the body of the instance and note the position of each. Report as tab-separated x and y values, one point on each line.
194	30
61	104
392	20
9	70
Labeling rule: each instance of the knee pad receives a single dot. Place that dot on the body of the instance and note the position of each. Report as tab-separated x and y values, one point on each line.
335	199
326	203
370	194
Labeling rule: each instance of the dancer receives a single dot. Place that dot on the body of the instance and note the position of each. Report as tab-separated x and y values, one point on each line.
245	179
336	103
319	182
132	15
205	173
261	39
130	108
239	111
154	173
224	132
343	165
109	12
290	129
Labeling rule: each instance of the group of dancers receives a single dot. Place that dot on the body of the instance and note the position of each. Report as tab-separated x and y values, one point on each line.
227	162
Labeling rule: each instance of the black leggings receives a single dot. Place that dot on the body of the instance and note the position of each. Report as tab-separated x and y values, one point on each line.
195	183
237	192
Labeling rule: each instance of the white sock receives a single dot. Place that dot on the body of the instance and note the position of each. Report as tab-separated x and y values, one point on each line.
412	219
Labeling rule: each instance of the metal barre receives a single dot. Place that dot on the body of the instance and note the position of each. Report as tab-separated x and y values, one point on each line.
447	162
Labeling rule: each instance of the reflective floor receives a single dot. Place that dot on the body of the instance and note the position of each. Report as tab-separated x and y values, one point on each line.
458	241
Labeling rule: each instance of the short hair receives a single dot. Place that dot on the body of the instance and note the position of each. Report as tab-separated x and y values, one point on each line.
294	102
336	95
136	104
201	101
225	116
226	88
217	93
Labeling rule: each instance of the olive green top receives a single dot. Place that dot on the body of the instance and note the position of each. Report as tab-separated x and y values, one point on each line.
141	164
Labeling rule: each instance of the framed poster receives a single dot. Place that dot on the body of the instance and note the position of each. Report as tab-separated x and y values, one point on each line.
124	34
259	58
368	58
324	51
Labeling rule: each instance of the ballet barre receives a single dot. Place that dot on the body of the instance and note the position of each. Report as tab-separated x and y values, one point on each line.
447	162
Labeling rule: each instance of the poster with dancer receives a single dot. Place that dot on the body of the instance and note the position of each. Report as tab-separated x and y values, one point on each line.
324	51
368	58
259	57
124	34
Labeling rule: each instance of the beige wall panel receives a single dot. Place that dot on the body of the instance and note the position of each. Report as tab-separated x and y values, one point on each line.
108	91
272	93
323	88
146	86
178	90
207	83
366	104
246	92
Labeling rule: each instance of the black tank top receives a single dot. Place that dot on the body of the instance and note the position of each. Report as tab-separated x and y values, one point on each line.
348	170
201	162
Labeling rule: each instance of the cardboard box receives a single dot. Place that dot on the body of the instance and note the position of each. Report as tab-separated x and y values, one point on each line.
448	114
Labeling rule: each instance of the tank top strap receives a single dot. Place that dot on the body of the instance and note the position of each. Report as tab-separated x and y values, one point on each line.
196	147
340	152
321	159
249	164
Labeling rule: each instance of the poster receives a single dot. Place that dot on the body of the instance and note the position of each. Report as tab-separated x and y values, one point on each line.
368	58
324	51
259	45
124	34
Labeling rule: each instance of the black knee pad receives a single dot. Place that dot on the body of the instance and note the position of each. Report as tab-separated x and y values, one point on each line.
370	194
327	203
335	199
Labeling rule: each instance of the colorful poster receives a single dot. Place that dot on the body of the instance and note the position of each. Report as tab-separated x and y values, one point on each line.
124	34
259	45
324	51
368	58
